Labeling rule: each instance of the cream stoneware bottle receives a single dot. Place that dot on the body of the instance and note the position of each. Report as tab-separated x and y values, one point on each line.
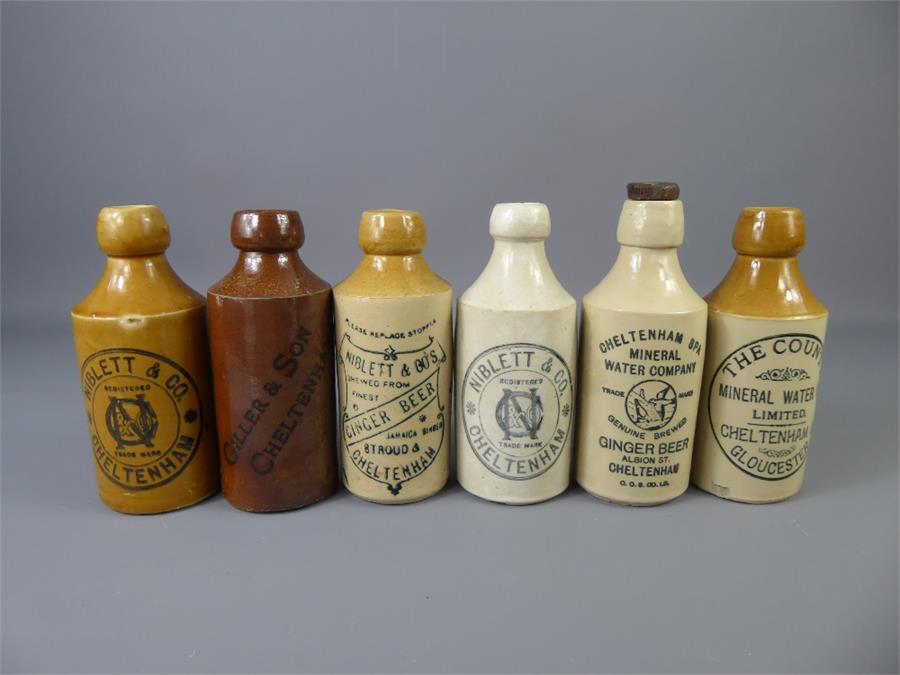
643	341
766	336
515	357
394	353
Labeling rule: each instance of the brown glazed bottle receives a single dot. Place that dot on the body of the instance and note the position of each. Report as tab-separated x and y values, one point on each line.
140	339
271	337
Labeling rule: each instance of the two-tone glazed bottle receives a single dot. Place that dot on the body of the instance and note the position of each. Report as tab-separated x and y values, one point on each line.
766	341
394	347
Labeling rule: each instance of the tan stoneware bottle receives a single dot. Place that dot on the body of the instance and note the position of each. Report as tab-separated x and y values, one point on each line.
515	360
766	337
643	338
271	339
140	340
394	354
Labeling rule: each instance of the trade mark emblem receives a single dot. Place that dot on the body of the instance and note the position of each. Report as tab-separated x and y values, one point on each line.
144	415
518	402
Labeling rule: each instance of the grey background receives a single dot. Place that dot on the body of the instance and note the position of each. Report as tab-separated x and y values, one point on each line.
448	108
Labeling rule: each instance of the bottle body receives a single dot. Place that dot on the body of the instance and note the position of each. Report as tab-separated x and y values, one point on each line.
766	342
758	404
273	365
643	341
141	344
515	402
271	333
145	384
640	385
394	358
515	358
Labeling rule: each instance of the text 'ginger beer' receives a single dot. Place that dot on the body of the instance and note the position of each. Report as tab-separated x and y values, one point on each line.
394	352
643	339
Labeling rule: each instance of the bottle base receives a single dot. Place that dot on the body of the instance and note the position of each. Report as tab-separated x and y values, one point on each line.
515	501
625	502
723	492
397	500
249	508
156	510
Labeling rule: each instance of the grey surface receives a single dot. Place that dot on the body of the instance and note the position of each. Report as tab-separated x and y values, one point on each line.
206	108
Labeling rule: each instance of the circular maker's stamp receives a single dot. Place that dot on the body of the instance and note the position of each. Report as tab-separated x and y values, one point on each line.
761	402
144	415
651	404
517	401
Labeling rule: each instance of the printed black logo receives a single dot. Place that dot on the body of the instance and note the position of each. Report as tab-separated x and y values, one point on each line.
518	403
144	415
651	404
131	421
520	413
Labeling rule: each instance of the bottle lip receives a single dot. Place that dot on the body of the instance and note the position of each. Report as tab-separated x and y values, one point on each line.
651	224
267	230
769	231
520	221
392	232
132	230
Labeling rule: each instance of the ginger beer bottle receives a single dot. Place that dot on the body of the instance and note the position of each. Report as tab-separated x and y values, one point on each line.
271	337
766	336
394	353
140	339
643	339
515	357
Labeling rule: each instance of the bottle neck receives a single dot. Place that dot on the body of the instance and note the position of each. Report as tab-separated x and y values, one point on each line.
392	276
523	262
648	265
518	277
134	285
765	287
268	274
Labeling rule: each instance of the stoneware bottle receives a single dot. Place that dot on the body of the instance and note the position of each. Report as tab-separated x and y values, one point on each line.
643	339
140	340
515	354
766	336
271	331
394	352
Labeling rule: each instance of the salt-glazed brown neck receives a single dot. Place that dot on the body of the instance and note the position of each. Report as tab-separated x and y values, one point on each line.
272	352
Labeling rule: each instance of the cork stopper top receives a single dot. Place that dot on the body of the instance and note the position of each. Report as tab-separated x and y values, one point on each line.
392	232
528	221
267	230
652	216
769	231
653	192
133	230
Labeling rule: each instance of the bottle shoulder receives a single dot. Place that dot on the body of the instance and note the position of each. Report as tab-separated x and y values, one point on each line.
269	276
140	286
392	276
528	284
765	288
513	298
649	296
